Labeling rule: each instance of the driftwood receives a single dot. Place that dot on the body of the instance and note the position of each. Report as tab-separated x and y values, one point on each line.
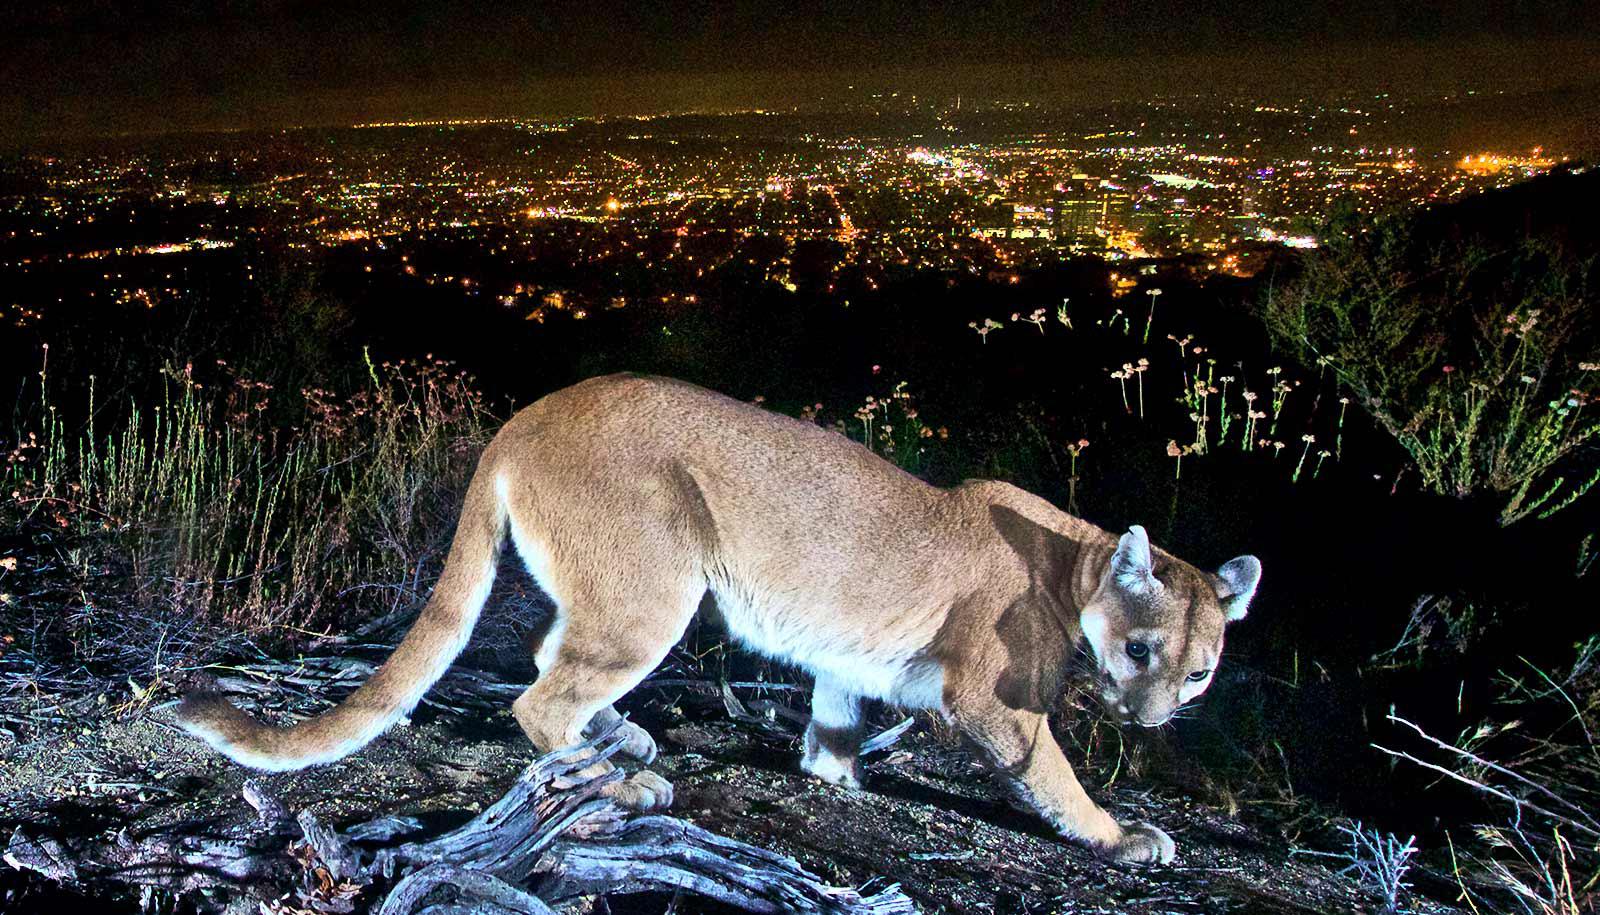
489	894
551	837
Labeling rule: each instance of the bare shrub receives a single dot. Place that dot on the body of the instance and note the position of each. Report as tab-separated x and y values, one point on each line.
1377	860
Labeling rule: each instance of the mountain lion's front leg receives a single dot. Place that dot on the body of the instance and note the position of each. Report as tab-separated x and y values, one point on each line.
1025	754
833	739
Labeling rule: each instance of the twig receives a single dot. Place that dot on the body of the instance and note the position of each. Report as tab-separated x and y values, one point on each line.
1488	789
887	738
1593	825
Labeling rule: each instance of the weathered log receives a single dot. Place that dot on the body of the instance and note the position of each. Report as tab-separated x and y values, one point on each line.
488	894
332	849
507	837
554	828
666	853
190	857
580	843
43	856
270	811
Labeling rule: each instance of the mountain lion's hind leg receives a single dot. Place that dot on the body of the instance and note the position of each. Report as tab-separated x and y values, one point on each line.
607	644
833	739
554	709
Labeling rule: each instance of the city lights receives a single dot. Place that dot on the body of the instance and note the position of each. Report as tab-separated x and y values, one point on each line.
679	202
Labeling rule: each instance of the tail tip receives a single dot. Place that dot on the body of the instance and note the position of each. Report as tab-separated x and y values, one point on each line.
231	731
197	706
212	718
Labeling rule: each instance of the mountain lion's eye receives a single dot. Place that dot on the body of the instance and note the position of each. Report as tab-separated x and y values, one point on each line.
1138	651
1199	675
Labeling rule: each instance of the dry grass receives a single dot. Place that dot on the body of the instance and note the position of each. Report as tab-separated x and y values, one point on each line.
1541	761
221	508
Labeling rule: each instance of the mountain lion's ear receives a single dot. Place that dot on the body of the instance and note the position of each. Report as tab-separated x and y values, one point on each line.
1131	563
1236	584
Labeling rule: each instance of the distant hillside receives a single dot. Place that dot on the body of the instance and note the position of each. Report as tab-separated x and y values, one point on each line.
1562	206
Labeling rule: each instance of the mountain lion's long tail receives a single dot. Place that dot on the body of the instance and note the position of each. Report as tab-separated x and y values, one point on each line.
438	635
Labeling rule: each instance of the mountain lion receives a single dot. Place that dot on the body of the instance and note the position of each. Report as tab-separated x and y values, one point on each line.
630	497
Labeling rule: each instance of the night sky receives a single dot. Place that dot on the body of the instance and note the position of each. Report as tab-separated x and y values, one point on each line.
92	67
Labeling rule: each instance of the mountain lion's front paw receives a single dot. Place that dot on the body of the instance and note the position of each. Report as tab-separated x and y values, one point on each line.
1143	843
642	791
846	773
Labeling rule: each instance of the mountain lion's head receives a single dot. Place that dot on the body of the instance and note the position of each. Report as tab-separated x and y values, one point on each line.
1155	627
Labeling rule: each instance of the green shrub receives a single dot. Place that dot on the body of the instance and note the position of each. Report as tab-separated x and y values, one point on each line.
1480	362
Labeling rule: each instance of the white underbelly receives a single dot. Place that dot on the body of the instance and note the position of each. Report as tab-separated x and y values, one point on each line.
874	664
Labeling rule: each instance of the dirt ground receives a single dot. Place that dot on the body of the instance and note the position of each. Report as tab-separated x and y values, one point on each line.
930	819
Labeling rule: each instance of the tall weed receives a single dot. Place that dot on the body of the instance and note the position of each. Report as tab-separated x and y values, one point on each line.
228	513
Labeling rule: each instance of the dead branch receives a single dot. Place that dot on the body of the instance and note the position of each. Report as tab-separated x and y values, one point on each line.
490	895
1519	803
1593	824
665	853
888	737
42	856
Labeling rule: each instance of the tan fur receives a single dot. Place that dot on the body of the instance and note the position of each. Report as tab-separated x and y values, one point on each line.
630	497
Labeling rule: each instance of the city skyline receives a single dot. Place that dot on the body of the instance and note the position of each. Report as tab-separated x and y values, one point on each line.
828	204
